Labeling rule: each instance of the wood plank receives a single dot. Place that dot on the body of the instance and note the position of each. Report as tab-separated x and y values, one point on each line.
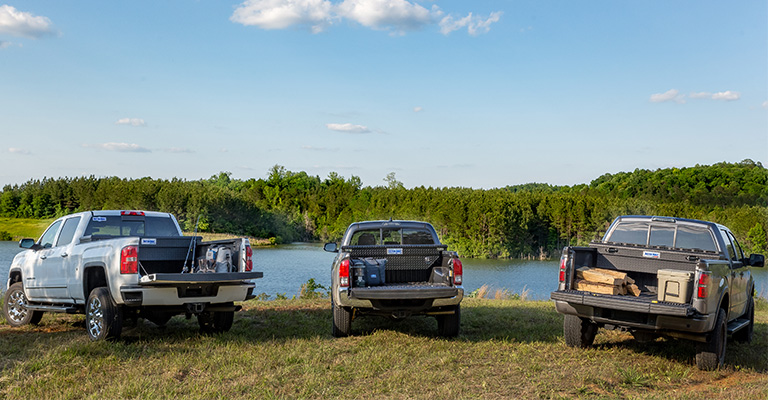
614	273
592	275
633	289
598	287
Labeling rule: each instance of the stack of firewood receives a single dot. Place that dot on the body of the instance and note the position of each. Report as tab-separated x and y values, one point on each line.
605	281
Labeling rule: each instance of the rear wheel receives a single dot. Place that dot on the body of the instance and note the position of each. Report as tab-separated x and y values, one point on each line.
216	321
745	334
15	307
579	332
103	318
449	325
342	321
711	355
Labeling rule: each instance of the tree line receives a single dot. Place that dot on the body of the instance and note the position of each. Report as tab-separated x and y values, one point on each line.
531	220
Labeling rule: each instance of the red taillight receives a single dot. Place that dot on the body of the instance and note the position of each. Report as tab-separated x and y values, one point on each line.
458	271
133	213
344	273
703	285
563	261
129	260
248	259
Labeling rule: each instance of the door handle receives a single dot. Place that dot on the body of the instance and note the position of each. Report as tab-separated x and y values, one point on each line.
43	257
64	254
31	278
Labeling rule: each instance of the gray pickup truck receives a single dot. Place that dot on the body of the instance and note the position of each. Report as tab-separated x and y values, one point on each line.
690	280
117	265
395	269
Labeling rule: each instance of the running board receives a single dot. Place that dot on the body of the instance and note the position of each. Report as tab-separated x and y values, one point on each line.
63	309
737	325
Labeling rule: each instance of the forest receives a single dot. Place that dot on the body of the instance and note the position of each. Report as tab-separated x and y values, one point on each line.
522	221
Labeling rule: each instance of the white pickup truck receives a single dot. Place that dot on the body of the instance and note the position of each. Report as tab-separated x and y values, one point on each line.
121	265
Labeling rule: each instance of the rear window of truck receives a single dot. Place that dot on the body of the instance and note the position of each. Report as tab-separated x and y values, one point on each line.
388	236
118	226
674	236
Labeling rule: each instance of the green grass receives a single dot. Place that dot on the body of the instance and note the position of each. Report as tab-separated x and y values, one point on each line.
19	228
283	349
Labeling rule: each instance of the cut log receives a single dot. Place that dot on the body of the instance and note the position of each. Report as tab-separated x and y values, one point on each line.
613	273
598	287
633	289
597	276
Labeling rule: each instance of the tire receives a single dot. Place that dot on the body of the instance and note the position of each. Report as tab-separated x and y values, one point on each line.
449	325
217	321
15	307
711	355
103	318
342	321
745	334
579	332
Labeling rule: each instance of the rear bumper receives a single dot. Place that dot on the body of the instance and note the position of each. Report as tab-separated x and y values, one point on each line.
678	320
400	297
178	295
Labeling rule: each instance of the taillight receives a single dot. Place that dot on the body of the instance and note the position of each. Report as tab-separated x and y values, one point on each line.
129	260
248	258
458	271
703	285
563	260
344	273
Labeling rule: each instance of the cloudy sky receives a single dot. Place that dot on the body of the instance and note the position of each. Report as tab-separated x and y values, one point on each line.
443	93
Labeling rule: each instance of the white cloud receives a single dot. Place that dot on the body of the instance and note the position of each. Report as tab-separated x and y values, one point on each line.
121	147
348	128
399	15
16	150
475	24
281	14
727	96
765	104
131	122
19	23
396	16
4	44
417	109
669	95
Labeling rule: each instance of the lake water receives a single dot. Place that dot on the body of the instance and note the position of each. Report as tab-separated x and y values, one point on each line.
287	267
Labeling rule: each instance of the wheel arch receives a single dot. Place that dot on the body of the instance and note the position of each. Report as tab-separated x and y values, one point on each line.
94	275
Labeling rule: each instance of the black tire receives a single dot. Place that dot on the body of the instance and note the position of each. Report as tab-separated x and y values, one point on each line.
216	321
449	325
579	332
342	321
745	334
15	307
711	355
103	318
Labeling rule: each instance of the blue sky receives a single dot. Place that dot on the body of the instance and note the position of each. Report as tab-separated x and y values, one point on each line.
443	93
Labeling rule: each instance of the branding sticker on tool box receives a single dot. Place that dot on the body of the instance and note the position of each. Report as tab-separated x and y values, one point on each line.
394	251
99	219
651	254
148	241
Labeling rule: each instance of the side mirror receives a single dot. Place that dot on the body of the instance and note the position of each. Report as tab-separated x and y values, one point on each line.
757	260
331	247
28	244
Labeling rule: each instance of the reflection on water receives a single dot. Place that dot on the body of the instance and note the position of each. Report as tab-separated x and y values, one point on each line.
287	267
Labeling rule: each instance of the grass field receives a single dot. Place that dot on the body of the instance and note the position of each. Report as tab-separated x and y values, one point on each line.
283	349
19	228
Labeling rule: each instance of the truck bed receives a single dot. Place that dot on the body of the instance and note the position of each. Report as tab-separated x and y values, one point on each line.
405	263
